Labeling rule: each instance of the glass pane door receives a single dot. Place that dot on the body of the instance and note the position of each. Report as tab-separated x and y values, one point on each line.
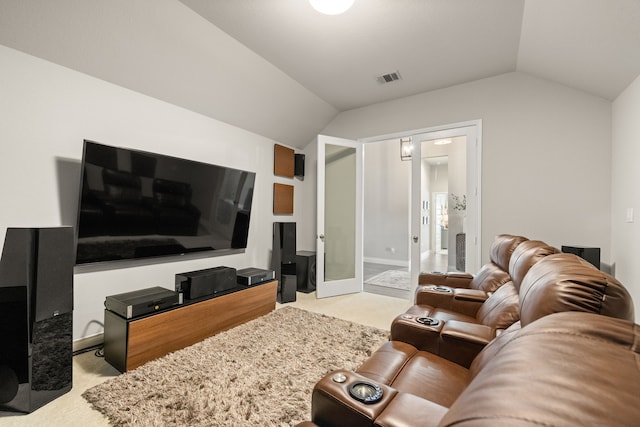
339	243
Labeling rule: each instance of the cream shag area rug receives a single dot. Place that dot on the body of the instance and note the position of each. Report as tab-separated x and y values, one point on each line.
391	279
259	373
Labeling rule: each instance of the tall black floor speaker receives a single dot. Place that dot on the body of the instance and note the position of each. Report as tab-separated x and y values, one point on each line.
283	260
36	309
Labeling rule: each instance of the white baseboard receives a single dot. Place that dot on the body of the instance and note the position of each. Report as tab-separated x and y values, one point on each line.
396	262
87	342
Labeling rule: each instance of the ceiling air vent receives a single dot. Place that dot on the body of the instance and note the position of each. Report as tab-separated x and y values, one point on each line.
389	77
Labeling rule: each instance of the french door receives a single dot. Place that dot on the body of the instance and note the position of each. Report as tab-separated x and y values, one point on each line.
339	217
471	236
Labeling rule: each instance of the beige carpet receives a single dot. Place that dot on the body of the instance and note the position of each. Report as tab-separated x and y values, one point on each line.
260	373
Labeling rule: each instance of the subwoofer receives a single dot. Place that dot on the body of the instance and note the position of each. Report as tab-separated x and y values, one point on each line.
287	284
306	271
36	309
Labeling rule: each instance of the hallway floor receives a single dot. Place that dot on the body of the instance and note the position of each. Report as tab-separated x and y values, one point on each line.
432	262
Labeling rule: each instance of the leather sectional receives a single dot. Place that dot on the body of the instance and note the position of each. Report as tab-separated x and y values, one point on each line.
566	353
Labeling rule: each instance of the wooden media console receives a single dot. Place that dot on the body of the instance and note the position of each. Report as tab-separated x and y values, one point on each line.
129	343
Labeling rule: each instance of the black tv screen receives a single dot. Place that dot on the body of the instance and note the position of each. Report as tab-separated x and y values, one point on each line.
136	204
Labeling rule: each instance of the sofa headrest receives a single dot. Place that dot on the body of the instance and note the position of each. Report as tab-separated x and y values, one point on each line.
171	193
122	186
524	256
564	369
502	248
565	282
502	309
489	278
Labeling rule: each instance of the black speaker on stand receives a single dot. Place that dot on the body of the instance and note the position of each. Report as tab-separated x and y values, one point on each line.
306	271
36	317
590	254
283	260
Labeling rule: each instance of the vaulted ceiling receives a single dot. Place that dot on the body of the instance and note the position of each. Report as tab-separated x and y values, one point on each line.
282	70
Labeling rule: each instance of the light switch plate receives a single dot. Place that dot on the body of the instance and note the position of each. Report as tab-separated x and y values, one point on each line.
629	214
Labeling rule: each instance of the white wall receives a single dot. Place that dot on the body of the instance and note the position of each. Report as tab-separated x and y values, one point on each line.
166	50
386	204
546	154
457	184
626	189
47	110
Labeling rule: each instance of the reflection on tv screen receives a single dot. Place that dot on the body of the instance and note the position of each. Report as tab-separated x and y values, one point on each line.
136	204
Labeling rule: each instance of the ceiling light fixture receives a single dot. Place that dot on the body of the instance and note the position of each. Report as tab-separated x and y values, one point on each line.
406	149
331	7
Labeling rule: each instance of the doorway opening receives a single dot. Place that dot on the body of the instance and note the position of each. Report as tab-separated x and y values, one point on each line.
443	188
427	211
386	219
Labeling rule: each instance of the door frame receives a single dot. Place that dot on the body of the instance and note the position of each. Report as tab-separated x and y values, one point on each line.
474	171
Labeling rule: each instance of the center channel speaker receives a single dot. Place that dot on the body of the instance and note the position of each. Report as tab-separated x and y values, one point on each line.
36	317
210	281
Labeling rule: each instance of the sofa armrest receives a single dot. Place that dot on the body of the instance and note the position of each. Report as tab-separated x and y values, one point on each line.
452	279
408	409
468	301
476	295
460	300
434	296
424	336
332	405
461	342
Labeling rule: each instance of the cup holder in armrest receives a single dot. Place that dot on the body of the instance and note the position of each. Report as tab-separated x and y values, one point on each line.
428	321
365	392
442	289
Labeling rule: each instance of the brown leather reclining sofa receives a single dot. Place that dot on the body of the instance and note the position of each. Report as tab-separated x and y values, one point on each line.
457	323
572	359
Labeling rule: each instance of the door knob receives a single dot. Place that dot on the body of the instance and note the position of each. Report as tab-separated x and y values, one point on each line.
415	239
321	237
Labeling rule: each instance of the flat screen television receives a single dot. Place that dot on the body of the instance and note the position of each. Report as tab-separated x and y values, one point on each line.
136	204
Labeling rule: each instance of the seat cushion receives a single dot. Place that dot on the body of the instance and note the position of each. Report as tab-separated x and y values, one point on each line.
420	373
405	409
432	377
502	309
489	278
386	363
